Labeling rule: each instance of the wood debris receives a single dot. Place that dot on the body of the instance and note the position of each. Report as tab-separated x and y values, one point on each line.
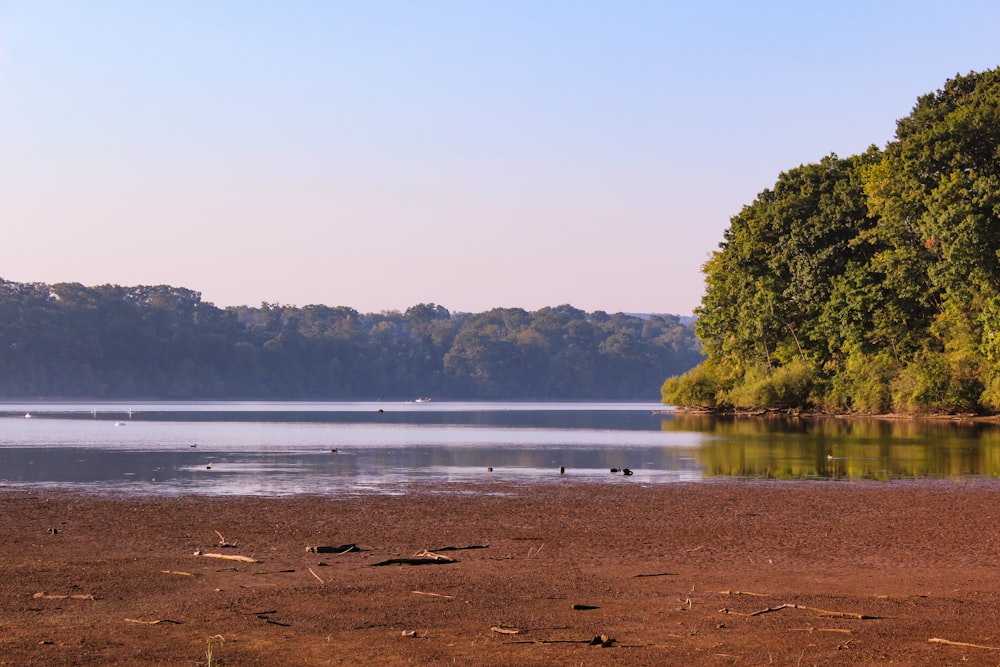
500	630
330	549
48	596
815	610
437	595
936	640
242	559
178	573
223	544
156	622
422	558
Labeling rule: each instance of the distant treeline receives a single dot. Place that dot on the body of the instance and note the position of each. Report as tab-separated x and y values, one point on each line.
67	340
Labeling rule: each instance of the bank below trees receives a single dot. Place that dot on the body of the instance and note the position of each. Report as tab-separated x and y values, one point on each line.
868	284
70	341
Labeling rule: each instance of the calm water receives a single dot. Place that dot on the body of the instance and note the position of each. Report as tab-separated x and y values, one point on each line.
286	448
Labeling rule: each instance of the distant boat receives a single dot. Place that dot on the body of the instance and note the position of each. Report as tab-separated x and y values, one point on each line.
422	400
27	415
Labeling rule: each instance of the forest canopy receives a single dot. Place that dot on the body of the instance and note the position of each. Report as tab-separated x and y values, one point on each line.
71	341
867	284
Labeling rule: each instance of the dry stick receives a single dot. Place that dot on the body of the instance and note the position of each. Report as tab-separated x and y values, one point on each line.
316	575
935	640
811	629
156	622
471	546
222	542
760	595
505	631
333	549
437	595
658	574
178	573
46	596
242	559
414	561
821	612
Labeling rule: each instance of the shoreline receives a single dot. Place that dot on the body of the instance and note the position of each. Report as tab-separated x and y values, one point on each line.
726	572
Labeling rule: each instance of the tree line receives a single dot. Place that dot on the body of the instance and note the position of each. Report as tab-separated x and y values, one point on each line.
866	284
72	341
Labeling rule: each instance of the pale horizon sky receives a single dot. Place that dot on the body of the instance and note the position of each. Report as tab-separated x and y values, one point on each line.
379	154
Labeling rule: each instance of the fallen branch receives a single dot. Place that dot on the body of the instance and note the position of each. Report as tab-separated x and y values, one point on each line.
178	573
658	574
935	640
415	561
319	578
430	554
242	559
437	595
156	622
471	546
47	596
760	595
500	630
815	610
329	549
223	544
811	629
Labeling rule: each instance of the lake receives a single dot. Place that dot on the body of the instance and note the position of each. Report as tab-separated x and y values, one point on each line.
281	448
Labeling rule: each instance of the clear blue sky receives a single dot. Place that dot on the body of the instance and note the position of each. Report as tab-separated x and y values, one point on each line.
379	154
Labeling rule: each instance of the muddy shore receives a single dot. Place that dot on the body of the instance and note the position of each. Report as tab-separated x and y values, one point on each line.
783	573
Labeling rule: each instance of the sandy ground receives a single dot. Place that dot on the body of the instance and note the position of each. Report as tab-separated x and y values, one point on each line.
728	573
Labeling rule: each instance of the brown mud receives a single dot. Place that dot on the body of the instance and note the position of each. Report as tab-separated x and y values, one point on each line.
726	573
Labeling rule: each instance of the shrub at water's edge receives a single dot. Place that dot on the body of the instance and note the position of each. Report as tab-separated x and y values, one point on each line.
868	284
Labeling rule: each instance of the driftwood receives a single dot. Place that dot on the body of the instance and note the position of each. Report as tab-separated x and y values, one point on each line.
658	574
471	546
584	607
421	558
821	612
178	573
223	544
935	640
319	578
603	641
47	596
415	561
328	549
500	630
759	595
242	559
436	595
156	622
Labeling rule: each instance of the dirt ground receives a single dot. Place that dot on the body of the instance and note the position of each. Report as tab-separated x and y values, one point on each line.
727	573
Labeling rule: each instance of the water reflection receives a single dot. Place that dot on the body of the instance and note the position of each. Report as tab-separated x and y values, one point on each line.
836	448
283	448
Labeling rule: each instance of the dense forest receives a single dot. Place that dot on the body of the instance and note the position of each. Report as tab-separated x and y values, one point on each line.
71	341
867	284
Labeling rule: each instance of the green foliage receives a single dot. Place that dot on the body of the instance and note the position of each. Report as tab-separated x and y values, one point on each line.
783	388
872	283
67	340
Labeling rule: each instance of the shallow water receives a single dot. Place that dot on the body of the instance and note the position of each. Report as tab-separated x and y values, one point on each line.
280	448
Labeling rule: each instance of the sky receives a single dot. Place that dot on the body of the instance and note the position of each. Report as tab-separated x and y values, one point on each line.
474	154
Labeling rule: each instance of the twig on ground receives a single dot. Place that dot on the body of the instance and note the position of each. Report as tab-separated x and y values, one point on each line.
436	595
242	559
319	578
815	610
936	640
